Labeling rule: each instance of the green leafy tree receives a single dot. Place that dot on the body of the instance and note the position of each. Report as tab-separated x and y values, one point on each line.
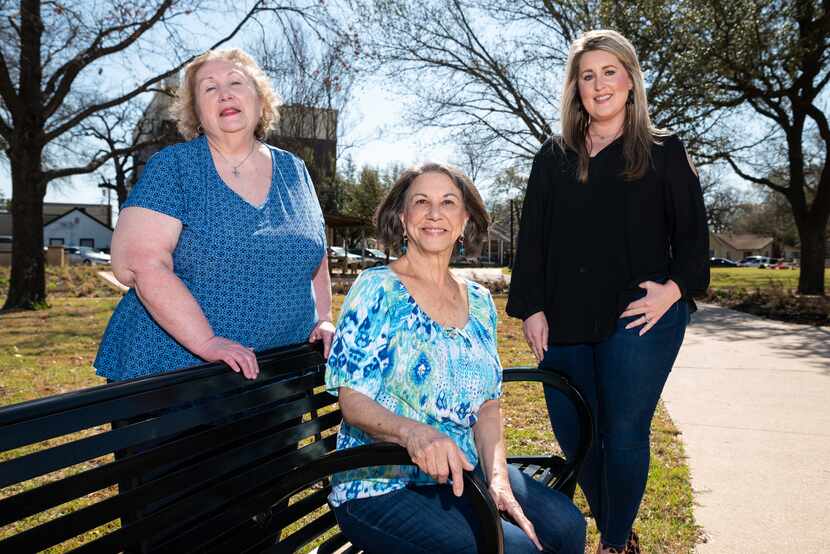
366	194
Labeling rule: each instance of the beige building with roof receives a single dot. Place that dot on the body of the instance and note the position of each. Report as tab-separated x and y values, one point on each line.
737	247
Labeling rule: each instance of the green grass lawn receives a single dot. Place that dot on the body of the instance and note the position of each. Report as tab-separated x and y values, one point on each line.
51	351
753	278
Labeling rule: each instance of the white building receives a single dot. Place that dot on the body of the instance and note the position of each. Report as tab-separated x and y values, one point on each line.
77	228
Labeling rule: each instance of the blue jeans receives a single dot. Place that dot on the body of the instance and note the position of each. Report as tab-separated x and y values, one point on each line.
429	519
621	378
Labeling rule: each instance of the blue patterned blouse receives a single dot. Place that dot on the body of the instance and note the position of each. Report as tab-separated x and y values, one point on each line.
249	267
389	349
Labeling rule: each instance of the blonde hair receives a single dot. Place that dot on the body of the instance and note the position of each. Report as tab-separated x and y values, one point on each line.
185	109
638	132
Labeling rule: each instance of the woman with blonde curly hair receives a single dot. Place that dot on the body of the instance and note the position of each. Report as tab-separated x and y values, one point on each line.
222	240
612	246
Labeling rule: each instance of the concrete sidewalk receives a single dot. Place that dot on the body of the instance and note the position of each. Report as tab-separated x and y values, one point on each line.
752	399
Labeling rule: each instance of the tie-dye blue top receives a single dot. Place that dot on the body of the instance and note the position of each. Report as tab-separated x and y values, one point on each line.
389	349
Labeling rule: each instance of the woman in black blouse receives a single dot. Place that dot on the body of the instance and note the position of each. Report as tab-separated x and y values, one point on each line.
612	246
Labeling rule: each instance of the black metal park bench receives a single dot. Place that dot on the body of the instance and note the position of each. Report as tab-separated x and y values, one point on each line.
206	461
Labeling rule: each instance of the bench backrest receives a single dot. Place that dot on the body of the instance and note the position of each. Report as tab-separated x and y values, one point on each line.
195	452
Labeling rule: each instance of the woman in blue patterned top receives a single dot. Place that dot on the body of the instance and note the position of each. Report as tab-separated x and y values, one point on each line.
222	239
414	361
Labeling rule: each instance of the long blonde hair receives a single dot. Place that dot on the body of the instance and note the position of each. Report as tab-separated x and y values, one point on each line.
638	132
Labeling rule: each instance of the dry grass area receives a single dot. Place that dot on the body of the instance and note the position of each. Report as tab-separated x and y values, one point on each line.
51	351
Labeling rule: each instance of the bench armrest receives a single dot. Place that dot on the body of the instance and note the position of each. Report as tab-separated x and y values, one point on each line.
566	479
491	537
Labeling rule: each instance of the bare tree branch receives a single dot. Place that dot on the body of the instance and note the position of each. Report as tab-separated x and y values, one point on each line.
78	117
7	92
59	85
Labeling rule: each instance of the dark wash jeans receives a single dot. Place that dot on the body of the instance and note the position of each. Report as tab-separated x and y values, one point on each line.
429	519
621	378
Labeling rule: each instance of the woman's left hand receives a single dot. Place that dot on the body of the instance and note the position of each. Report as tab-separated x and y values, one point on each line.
324	330
658	299
502	495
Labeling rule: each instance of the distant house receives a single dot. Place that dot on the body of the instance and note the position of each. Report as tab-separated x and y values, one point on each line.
737	247
77	228
66	224
496	247
101	212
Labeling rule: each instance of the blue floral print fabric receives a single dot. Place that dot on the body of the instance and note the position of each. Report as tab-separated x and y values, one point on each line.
249	267
389	349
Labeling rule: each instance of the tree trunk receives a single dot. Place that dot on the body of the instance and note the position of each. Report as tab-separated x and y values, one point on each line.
122	196
811	278
27	287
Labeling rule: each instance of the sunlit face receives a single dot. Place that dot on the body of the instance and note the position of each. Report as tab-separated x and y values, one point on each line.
434	214
226	99
603	85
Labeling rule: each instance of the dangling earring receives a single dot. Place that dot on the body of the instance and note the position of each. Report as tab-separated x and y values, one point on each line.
630	100
404	244
461	245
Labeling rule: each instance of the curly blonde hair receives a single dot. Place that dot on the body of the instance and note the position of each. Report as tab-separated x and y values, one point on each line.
184	107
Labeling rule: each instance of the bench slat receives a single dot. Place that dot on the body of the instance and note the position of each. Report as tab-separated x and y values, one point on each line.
90	517
62	422
39	463
273	361
58	492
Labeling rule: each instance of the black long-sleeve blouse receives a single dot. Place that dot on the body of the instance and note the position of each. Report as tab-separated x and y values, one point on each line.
583	248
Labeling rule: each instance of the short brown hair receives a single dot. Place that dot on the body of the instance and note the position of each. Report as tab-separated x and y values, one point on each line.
184	107
387	217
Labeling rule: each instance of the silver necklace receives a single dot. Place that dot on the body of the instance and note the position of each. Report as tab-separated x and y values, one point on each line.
235	168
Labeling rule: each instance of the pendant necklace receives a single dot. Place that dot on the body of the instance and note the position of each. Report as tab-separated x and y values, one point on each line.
235	168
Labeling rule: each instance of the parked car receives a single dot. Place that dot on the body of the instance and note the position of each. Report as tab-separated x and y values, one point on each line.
784	264
757	261
337	253
372	254
86	255
722	262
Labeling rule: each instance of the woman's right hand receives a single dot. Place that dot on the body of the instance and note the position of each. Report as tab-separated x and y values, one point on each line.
238	357
536	334
437	455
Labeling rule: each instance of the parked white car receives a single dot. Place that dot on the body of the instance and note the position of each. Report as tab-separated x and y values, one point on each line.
757	261
337	253
373	256
86	255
